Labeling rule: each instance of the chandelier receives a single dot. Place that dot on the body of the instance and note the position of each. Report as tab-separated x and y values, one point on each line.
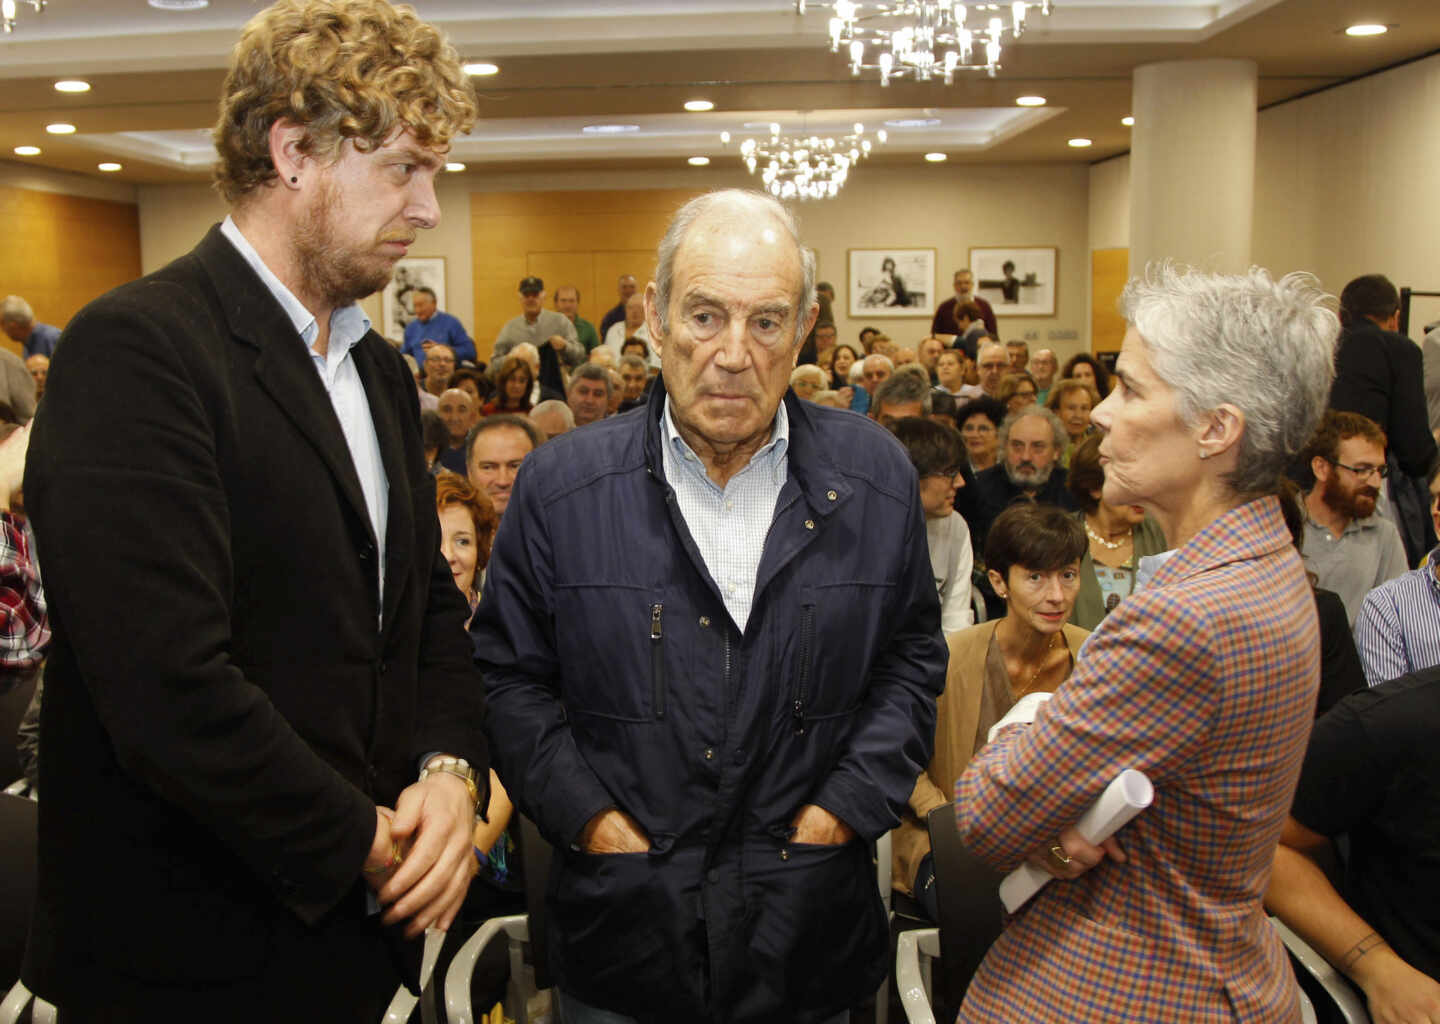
8	10
924	39
805	166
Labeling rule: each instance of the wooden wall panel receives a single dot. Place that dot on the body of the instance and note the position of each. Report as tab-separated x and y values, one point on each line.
583	238
63	251
1109	270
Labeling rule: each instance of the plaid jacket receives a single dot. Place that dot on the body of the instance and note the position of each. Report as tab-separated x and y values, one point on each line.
1206	681
24	625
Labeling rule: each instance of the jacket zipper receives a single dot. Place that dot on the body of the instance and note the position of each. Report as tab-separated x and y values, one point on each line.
657	659
807	630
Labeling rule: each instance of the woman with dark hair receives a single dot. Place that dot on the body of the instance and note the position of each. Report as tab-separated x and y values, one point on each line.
842	357
435	436
980	420
1084	367
1119	536
513	385
473	382
1032	554
937	454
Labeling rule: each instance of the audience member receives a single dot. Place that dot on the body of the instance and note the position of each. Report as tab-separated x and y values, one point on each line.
1118	535
539	326
617	390
973	334
18	322
434	438
1043	367
1029	469
1204	680
980	420
632	325
552	418
867	338
1372	774
431	327
842	357
903	356
24	620
603	355
589	394
825	340
1017	392
942	410
1033	553
1087	369
1398	628
1073	401
640	348
807	379
899	396
567	304
459	412
634	378
946	320
39	367
625	287
876	370
514	382
927	352
608	733
935	452
991	364
439	368
473	382
950	368
17	387
831	398
1349	548
496	447
1019	354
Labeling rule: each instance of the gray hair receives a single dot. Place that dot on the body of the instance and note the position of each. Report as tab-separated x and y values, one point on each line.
901	389
1264	346
589	371
1057	427
889	364
553	407
15	310
987	346
634	362
754	203
808	371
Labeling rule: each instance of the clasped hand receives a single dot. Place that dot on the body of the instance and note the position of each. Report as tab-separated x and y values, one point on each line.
421	860
1071	855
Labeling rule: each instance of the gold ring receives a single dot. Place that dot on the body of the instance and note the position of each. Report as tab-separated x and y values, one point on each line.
1059	854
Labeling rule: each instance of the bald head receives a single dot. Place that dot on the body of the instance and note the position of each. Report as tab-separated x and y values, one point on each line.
457	410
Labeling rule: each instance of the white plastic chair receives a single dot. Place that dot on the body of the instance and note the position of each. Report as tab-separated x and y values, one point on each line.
403	1002
915	952
458	1005
12	1007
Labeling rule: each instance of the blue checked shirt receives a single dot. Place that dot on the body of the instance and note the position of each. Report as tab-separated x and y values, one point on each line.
1398	629
730	525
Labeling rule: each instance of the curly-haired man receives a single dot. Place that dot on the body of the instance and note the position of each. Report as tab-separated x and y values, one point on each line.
262	745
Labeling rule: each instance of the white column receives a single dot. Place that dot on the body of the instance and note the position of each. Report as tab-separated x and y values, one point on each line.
1192	164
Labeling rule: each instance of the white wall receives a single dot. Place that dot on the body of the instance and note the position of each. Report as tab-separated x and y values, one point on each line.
41	179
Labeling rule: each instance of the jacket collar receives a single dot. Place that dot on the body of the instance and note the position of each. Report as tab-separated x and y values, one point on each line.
1252	530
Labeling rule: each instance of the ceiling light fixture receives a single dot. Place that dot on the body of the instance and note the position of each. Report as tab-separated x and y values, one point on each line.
610	129
923	39
110	167
481	69
1367	30
60	128
72	85
699	161
698	106
454	166
1029	101
1128	121
936	158
179	5
27	150
805	166
8	11
1078	143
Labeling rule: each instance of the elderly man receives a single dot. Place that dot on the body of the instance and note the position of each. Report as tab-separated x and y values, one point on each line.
589	394
538	326
877	370
1029	468
494	450
945	321
18	322
902	395
635	377
39	367
1019	354
567	304
459	413
1043	367
750	703
992	363
625	287
280	724
439	368
552	418
431	327
632	325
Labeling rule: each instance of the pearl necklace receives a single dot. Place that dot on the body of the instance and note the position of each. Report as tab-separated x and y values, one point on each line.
1108	544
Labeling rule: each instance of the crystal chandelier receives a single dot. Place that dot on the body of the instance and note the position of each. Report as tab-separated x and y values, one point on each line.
924	39
8	10
805	166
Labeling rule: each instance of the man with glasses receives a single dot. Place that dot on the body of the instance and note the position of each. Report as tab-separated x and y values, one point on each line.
1347	546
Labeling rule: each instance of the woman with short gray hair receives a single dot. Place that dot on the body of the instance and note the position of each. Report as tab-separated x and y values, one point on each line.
1204	679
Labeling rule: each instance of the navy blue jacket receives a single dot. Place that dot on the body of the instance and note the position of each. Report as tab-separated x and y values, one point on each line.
616	677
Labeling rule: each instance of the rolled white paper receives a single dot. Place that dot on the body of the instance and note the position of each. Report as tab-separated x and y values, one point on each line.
1022	712
1129	794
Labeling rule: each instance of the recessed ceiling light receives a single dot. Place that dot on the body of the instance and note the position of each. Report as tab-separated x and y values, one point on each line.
913	122
179	5
481	69
109	167
454	166
60	128
936	158
610	129
27	150
1367	30
699	161
1128	121
1078	143
1029	101
698	106
72	85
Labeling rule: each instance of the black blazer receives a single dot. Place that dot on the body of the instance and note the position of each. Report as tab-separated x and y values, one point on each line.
225	701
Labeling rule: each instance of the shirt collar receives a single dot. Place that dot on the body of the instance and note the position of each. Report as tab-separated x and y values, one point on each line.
347	325
771	455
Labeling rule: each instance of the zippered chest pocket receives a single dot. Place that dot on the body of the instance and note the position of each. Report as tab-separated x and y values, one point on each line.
616	659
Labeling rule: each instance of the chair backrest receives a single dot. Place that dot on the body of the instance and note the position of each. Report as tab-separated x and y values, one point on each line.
17	881
535	856
967	891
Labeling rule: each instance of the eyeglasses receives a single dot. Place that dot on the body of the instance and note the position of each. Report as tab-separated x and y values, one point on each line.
1363	472
947	474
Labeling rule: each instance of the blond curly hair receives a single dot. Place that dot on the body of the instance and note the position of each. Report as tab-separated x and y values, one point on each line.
357	70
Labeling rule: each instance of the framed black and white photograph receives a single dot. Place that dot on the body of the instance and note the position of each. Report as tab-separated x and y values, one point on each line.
1016	281
397	305
891	282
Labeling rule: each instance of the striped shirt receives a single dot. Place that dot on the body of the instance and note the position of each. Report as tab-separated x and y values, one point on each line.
1398	629
730	524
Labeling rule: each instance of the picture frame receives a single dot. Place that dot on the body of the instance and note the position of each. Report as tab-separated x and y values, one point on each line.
890	282
1026	287
412	272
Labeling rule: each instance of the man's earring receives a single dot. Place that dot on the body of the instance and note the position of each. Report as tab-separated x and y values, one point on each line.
293	179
